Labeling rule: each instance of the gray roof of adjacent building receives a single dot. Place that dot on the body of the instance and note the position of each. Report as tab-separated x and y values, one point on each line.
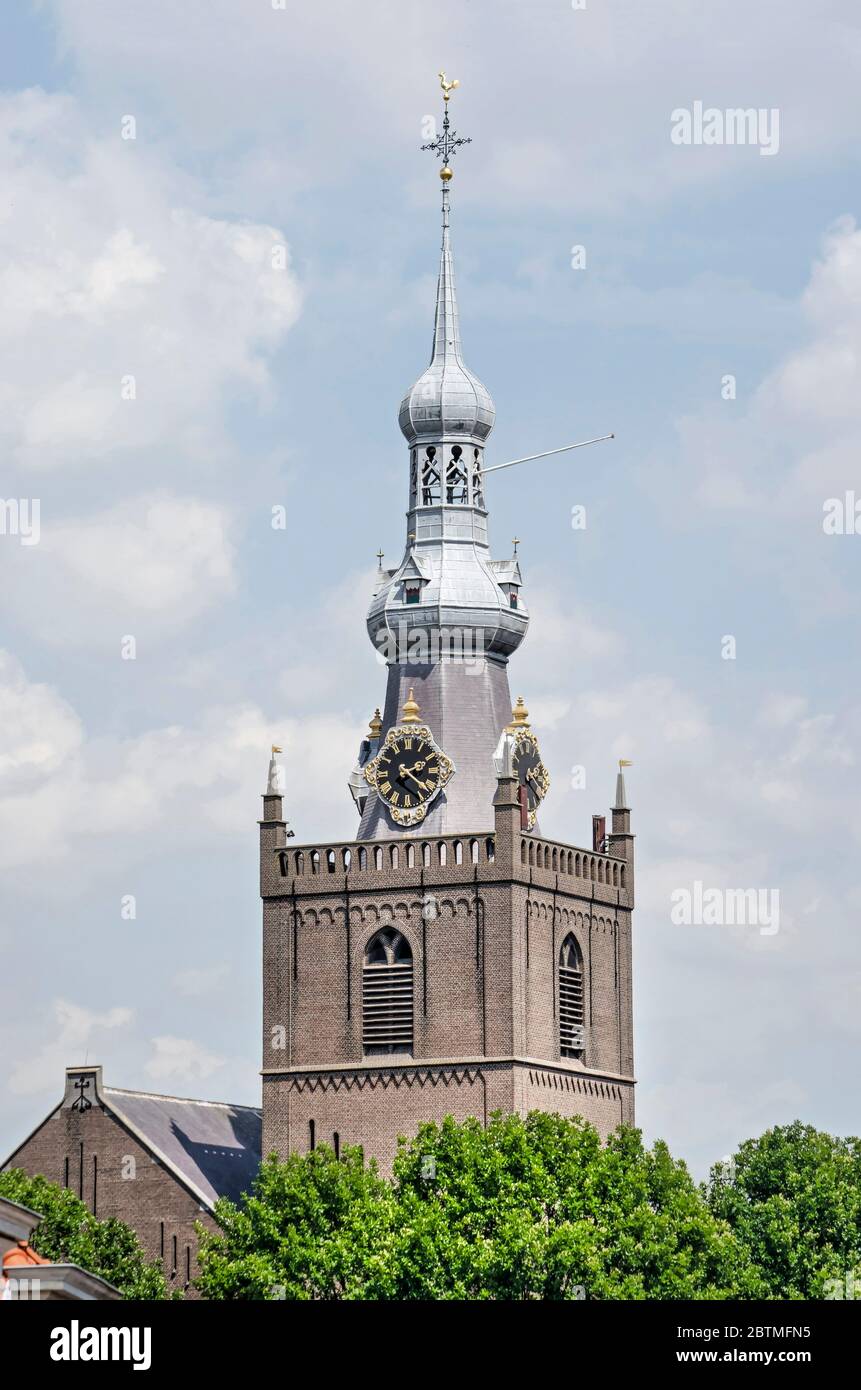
213	1145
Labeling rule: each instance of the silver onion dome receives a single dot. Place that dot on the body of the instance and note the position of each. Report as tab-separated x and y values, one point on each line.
448	400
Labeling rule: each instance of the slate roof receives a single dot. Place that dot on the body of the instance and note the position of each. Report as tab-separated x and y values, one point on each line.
214	1146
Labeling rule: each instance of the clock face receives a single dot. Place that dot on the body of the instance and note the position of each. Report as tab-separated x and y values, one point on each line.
531	773
408	772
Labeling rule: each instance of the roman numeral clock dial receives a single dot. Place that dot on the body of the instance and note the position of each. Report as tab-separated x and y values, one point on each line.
410	769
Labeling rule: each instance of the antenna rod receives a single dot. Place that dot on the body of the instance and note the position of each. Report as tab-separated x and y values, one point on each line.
547	452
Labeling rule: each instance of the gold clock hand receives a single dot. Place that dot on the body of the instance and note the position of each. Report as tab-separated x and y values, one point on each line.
405	772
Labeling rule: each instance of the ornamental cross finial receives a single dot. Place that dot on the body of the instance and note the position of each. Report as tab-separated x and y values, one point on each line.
82	1103
448	141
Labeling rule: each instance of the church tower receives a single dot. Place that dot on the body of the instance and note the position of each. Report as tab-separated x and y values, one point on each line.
450	959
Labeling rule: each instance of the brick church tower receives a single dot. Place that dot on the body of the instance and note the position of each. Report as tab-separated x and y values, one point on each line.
450	959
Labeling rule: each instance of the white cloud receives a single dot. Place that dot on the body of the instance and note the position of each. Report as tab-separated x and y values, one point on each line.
108	275
74	1030
143	567
768	466
560	629
818	384
797	441
38	730
81	795
181	1059
782	709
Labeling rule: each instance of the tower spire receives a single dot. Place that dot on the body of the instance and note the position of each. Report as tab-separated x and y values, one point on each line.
448	617
446	332
446	328
448	405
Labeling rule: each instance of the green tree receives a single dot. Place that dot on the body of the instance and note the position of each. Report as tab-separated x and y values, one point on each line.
524	1209
69	1234
793	1198
541	1209
313	1227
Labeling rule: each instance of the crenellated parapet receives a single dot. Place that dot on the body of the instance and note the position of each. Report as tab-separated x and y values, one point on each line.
434	860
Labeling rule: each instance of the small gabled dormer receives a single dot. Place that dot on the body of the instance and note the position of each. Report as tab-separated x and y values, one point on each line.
508	577
413	575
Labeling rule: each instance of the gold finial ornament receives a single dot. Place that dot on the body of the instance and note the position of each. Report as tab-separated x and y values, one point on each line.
411	710
276	749
624	762
376	724
519	716
447	142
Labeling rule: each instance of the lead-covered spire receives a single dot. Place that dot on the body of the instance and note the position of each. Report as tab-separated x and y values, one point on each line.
446	328
448	617
448	402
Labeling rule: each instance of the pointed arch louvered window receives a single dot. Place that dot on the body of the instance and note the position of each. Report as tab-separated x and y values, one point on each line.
387	994
571	1016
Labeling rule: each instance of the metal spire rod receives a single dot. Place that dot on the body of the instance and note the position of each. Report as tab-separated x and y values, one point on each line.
565	447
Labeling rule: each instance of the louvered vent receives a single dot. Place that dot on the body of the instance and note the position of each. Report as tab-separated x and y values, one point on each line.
387	995
571	1025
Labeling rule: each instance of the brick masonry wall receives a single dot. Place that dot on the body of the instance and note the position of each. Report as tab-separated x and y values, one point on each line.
372	1107
150	1199
605	1104
485	973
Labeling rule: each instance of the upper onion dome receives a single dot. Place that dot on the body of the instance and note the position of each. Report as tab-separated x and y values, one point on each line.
447	399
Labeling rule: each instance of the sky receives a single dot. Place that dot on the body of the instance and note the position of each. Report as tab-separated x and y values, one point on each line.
218	250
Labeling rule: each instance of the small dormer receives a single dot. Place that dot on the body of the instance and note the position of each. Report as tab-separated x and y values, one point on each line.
509	579
413	575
